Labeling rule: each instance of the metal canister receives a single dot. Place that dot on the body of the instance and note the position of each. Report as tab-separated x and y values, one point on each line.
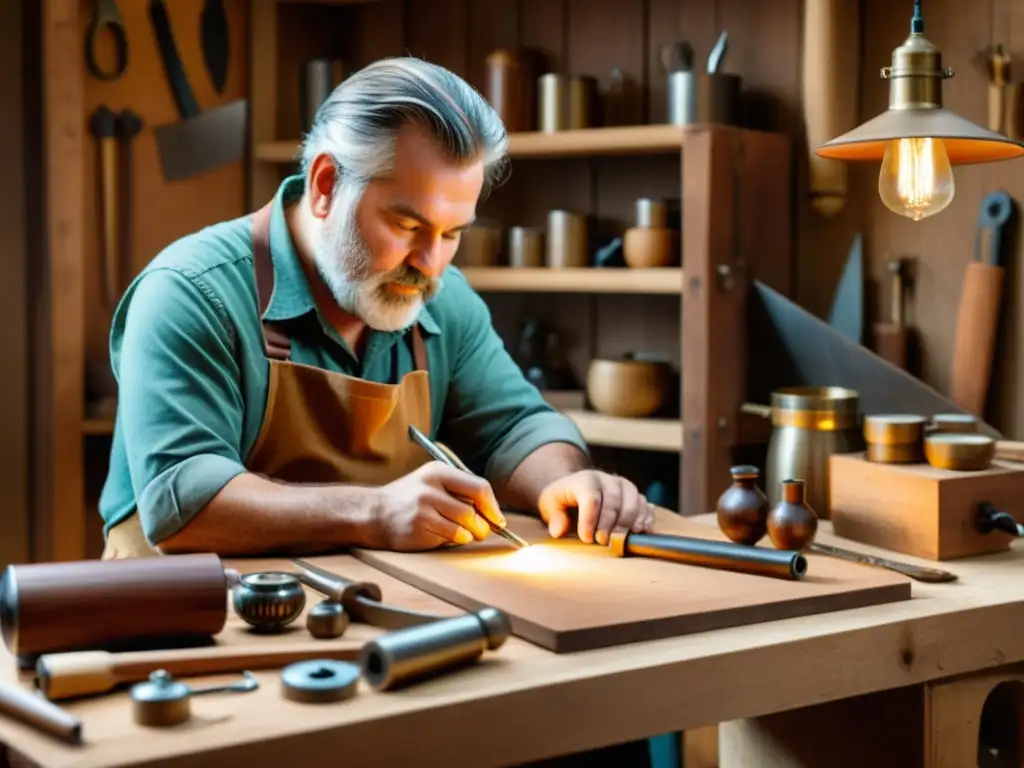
525	247
566	240
565	102
651	213
810	424
319	78
682	97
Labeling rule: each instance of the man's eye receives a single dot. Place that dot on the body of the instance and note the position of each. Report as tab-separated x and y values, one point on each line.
451	235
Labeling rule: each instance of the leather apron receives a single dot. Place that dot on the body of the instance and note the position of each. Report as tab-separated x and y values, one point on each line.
318	426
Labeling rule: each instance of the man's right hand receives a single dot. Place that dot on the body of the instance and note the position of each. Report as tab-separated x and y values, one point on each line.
422	510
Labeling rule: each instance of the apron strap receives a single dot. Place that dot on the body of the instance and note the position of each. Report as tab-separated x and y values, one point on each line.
278	345
419	349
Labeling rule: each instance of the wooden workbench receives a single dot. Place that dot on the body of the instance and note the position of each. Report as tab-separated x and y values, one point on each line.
858	675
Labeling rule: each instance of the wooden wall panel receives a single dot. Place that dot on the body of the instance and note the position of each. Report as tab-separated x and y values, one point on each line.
14	359
162	211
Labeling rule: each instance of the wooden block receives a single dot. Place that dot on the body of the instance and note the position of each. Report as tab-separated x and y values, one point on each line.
567	596
919	510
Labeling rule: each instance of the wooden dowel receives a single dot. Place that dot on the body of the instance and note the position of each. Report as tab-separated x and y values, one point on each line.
36	711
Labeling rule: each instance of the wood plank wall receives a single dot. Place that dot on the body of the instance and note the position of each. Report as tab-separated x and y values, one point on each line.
14	353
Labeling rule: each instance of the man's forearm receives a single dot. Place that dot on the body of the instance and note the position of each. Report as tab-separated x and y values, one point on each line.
252	515
538	470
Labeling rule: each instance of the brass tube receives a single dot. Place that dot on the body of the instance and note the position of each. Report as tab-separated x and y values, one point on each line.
723	555
416	653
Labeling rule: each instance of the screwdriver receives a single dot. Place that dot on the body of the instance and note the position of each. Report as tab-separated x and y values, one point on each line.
449	458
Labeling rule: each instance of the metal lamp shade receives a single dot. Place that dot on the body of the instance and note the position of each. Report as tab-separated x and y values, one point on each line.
965	142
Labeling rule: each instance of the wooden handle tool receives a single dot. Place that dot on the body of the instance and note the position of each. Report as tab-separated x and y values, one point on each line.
127	127
86	673
830	73
999	75
32	709
980	303
1010	450
891	336
102	125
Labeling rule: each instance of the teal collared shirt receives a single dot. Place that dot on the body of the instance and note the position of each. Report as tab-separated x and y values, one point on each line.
187	350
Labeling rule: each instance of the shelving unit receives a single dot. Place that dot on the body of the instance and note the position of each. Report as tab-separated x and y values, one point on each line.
734	191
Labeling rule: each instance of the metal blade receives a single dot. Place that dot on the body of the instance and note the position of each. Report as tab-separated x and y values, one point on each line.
920	573
216	137
847	314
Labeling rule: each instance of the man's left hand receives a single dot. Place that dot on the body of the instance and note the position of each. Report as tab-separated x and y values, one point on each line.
602	502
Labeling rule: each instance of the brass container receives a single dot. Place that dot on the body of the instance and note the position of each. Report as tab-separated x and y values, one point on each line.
566	240
565	102
962	423
480	246
960	452
894	438
525	247
810	424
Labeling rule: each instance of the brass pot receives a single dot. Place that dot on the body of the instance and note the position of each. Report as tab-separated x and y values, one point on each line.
810	424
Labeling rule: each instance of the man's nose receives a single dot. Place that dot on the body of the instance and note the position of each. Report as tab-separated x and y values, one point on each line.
429	257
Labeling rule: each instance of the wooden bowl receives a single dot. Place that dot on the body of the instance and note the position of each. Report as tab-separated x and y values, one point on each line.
628	388
964	452
646	247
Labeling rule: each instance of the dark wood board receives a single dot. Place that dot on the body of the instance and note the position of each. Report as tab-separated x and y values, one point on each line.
567	596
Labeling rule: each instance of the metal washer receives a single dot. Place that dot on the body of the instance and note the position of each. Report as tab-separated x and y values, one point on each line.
319	681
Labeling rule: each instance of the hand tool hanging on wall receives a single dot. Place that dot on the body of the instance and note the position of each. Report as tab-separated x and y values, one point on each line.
980	303
107	17
891	337
202	140
830	75
847	314
998	65
103	127
127	127
215	42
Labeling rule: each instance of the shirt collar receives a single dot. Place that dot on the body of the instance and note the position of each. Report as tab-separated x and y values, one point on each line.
292	296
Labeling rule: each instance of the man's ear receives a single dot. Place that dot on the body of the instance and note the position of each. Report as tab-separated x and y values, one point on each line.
323	177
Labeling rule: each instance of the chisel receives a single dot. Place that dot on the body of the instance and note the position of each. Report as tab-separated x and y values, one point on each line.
449	458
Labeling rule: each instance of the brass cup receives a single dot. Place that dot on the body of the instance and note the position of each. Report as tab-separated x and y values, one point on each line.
822	409
894	429
961	423
960	452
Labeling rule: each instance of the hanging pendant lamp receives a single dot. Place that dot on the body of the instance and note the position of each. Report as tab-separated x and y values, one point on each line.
917	139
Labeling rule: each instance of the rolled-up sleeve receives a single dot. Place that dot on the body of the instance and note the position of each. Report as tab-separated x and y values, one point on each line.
494	417
180	405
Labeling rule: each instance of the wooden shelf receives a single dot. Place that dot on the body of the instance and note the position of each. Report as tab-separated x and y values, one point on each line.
641	434
625	140
585	280
97	426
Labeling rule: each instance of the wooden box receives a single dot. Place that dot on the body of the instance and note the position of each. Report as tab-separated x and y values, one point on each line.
919	510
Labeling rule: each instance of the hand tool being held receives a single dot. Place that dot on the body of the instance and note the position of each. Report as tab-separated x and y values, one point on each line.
980	303
442	454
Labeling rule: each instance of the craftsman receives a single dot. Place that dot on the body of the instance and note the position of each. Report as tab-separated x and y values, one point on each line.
269	367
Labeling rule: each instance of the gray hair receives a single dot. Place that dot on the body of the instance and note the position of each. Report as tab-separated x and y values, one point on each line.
357	124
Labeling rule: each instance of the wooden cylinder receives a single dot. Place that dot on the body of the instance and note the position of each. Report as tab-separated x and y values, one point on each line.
977	323
47	607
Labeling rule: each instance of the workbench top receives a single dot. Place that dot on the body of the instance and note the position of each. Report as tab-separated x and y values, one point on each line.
523	703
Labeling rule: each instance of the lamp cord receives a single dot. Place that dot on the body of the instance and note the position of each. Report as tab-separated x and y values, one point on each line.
917	23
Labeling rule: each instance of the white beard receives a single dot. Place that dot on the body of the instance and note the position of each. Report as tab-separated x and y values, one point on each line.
345	265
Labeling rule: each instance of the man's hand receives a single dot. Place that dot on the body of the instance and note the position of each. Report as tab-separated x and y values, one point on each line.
604	502
432	506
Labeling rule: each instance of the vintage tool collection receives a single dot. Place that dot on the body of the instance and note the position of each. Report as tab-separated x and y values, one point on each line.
72	622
